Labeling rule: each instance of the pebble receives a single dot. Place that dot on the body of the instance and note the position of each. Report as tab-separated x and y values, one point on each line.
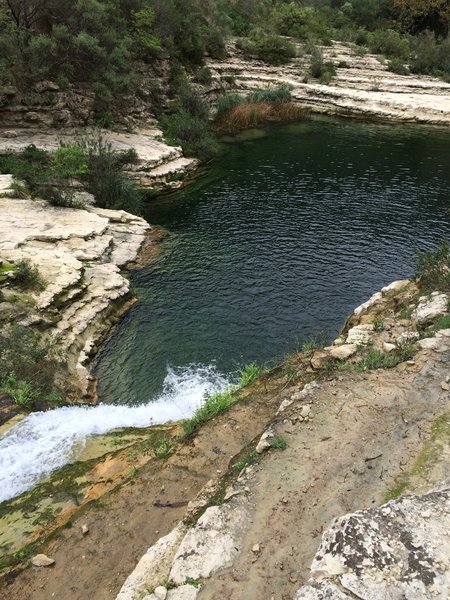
445	386
42	560
255	548
84	529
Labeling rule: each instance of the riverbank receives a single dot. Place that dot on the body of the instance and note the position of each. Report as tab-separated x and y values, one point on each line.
268	475
363	87
81	254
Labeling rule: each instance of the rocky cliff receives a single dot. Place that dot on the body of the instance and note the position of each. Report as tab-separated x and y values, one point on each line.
80	255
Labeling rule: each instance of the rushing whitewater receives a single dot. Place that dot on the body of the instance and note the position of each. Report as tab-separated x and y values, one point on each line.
44	441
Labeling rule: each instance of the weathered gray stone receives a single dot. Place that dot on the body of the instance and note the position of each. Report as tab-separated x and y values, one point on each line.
211	545
153	566
429	309
343	352
360	335
183	592
42	560
399	550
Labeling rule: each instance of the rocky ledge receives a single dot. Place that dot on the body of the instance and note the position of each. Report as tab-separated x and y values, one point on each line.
80	255
363	86
158	165
368	422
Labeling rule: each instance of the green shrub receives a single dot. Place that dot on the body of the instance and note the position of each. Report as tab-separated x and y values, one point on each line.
390	43
249	373
192	133
320	69
433	268
32	166
271	49
271	95
213	406
442	322
227	102
396	65
28	366
278	442
27	276
204	76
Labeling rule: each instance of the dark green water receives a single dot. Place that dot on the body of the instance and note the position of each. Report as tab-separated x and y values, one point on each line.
281	239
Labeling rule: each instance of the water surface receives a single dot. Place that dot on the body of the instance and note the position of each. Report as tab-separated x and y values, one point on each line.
281	239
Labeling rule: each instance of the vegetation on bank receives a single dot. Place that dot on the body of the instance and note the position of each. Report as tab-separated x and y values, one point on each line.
27	367
90	162
103	45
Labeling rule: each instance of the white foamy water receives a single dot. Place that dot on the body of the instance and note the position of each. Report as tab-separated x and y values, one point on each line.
44	441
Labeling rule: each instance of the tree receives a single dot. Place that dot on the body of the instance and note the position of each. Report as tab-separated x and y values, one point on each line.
419	15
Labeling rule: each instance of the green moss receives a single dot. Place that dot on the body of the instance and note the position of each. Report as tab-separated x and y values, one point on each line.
429	455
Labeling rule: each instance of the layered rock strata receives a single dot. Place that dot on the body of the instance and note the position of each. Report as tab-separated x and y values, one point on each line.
79	254
363	86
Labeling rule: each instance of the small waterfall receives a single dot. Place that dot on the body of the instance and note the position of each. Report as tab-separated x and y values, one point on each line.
44	441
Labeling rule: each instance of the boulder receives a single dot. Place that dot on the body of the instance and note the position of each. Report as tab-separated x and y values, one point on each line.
343	352
360	335
399	550
429	309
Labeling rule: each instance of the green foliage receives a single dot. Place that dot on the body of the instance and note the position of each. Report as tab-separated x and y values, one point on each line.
27	276
69	162
442	322
375	359
214	405
278	442
204	76
320	69
378	324
105	178
194	582
433	268
249	373
271	49
28	366
31	166
396	65
163	448
271	95
188	124
227	102
390	43
309	346
302	22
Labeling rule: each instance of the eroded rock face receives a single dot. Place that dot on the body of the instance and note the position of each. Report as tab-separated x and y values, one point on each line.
79	254
429	309
363	86
399	550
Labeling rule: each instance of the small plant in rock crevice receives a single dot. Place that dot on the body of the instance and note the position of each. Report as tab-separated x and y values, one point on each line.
433	268
278	443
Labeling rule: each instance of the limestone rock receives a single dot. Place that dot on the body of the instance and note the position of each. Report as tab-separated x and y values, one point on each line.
387	347
211	545
360	335
42	560
153	566
429	309
319	359
343	352
183	592
399	550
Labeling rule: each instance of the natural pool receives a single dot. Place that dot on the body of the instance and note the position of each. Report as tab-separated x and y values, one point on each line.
278	241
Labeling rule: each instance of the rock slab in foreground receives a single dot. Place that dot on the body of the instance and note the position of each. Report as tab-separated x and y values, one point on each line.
399	550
